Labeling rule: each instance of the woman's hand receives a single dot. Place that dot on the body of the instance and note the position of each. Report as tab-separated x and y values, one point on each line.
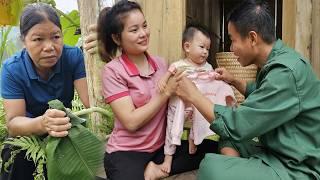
91	41
172	84
162	85
170	87
56	123
224	75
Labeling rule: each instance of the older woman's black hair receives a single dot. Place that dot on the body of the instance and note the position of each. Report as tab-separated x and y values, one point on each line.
254	15
36	13
110	22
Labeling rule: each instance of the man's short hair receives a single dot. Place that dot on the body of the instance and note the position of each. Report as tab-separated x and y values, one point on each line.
254	15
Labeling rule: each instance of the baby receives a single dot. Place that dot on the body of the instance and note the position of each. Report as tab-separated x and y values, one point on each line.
196	44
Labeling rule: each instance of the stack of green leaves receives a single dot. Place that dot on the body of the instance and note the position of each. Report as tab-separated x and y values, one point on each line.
76	156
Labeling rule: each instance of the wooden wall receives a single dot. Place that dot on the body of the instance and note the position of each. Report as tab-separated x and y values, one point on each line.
300	28
166	19
315	51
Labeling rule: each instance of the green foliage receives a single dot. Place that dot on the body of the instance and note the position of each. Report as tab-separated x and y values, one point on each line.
35	151
3	127
70	22
7	46
107	123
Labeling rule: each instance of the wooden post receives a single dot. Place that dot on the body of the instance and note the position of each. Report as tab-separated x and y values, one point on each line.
88	15
315	52
297	27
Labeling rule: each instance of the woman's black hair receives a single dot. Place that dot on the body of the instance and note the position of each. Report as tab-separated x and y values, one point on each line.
36	13
254	15
110	22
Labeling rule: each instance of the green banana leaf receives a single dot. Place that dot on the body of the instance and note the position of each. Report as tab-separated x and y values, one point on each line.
76	156
69	29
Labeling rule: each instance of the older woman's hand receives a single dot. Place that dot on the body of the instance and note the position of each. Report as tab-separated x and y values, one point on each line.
91	41
56	123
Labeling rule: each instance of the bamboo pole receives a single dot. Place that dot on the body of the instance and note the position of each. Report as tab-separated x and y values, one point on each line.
88	15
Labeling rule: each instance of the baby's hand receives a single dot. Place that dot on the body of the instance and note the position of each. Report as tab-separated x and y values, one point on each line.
230	101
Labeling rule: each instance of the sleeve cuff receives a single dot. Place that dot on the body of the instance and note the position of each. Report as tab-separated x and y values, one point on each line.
251	86
218	125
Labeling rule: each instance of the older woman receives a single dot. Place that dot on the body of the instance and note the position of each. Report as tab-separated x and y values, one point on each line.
44	70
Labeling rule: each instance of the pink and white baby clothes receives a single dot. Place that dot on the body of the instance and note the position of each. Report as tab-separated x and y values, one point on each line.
216	90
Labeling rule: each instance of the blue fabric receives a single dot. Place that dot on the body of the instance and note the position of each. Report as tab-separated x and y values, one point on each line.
19	80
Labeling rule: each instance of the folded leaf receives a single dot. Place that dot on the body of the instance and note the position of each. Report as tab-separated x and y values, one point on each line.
76	156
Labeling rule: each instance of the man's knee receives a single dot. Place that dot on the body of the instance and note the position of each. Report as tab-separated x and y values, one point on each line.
211	168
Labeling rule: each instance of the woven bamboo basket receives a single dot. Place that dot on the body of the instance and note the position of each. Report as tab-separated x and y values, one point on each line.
229	61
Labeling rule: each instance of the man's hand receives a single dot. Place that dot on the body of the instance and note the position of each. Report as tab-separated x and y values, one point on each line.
91	41
186	89
224	75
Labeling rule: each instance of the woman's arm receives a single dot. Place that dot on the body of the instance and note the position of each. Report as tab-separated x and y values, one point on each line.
82	90
53	121
134	118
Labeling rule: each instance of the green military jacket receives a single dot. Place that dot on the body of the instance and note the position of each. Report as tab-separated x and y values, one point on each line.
282	108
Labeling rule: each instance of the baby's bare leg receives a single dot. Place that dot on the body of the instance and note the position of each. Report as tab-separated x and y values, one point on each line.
192	146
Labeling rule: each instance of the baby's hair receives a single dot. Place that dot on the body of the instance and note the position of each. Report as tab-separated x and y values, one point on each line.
191	29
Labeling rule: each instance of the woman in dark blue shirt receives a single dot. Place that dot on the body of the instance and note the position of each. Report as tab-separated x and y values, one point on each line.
44	70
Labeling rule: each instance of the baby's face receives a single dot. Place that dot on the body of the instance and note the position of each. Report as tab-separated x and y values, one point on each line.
198	49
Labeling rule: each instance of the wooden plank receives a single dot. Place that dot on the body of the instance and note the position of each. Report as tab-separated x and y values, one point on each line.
315	52
304	28
166	20
289	22
173	28
88	15
297	27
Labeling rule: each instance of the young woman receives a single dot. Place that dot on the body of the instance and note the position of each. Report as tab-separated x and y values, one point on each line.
135	147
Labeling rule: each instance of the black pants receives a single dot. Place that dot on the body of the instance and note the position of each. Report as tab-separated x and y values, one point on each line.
124	165
21	169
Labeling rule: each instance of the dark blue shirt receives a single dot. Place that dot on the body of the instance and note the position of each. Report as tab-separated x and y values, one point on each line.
19	80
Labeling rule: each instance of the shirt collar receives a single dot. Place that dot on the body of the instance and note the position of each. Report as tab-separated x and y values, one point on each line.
276	49
31	69
132	69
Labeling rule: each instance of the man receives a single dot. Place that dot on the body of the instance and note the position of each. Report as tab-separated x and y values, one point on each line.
282	108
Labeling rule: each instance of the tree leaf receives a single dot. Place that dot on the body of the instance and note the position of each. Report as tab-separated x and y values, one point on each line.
69	29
